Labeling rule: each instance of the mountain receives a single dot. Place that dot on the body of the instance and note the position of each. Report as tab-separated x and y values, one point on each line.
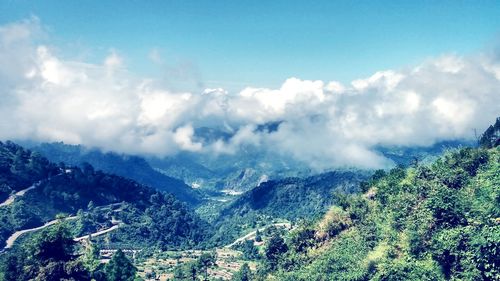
294	198
236	173
408	155
290	199
229	172
94	200
132	167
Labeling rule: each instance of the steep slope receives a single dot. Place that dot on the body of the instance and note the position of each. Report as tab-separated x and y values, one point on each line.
91	195
132	167
288	199
20	168
431	222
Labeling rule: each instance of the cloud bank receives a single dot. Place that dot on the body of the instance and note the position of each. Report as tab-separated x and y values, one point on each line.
45	97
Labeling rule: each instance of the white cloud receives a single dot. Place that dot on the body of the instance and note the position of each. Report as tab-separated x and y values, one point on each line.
183	137
322	123
113	60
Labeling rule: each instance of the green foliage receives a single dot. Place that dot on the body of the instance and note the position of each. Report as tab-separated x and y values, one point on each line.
150	218
53	245
166	224
50	255
250	252
120	268
433	222
275	248
90	258
197	268
20	168
486	248
132	167
288	199
301	239
204	262
258	237
408	269
244	274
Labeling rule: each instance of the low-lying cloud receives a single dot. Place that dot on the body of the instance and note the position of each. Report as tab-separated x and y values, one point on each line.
324	124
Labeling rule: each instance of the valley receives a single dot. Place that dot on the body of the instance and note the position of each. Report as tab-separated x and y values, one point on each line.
203	140
350	223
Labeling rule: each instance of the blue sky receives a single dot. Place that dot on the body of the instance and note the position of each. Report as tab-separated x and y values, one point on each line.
233	44
341	77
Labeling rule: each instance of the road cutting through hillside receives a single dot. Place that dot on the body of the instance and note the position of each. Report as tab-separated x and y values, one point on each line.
17	234
10	241
20	193
98	233
247	236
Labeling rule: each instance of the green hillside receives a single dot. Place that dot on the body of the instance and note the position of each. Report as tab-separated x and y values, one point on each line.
147	217
290	199
132	167
431	222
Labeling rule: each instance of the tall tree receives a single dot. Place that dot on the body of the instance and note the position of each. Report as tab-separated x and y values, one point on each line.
120	268
244	274
275	248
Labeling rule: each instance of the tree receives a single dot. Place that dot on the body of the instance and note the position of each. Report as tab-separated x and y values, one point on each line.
11	269
179	273
258	237
250	252
54	245
244	274
90	258
491	137
192	271
205	261
275	248
52	257
120	268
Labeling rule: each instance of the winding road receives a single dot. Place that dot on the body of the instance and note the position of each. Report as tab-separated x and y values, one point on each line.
10	241
17	234
247	236
78	239
20	193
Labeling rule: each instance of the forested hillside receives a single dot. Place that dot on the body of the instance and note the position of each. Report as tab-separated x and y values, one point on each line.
288	199
429	222
146	217
132	167
20	168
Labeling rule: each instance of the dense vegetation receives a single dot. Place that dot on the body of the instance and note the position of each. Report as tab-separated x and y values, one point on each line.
147	216
132	167
53	255
289	199
435	220
429	222
20	168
